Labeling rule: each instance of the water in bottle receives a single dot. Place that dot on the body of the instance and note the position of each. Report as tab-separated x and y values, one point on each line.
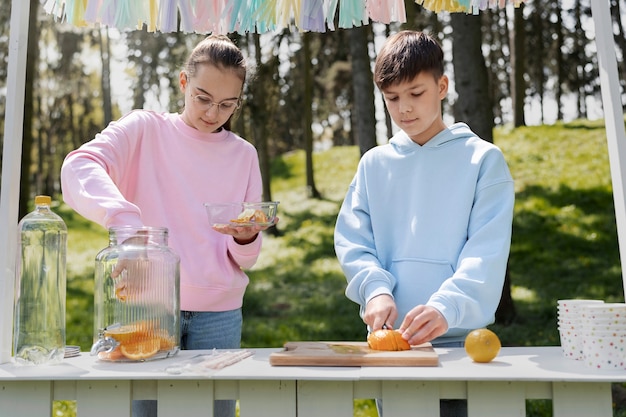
40	287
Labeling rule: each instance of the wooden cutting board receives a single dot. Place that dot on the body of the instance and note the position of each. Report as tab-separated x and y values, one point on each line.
351	354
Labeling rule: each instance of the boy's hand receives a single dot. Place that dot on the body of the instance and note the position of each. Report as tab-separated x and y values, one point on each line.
422	324
380	311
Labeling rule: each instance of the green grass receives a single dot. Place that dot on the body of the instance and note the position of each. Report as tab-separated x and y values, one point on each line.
564	245
564	236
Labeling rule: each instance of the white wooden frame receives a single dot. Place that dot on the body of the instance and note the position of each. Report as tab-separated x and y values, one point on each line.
14	116
495	389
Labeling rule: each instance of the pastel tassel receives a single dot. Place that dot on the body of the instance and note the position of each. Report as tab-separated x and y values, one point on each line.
75	12
260	16
331	11
312	16
186	16
52	7
352	13
386	11
152	13
203	17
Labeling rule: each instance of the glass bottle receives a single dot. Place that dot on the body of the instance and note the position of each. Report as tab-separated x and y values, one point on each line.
40	287
136	296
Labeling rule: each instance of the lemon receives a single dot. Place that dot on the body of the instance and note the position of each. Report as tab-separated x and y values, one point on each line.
482	345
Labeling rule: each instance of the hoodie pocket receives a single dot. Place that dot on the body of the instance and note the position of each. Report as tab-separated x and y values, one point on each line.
416	280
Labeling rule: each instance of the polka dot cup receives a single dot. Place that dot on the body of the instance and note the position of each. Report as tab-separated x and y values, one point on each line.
569	324
571	343
605	352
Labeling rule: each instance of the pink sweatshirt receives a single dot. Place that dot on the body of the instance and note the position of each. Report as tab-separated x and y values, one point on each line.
151	169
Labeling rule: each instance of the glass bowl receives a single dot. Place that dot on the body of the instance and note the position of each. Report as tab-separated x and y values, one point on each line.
242	214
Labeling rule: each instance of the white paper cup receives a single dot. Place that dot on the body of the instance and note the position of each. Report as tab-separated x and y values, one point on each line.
569	321
608	311
605	352
571	306
586	332
617	321
601	328
571	343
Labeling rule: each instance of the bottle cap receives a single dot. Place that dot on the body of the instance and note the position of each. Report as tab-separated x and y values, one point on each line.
43	199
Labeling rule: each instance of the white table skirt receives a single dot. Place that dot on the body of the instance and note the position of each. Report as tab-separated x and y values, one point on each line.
499	388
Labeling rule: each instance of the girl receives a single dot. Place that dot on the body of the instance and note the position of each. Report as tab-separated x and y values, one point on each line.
158	169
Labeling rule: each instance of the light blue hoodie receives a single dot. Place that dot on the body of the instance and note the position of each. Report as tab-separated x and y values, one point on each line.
429	225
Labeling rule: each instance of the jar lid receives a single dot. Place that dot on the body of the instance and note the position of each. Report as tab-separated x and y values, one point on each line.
43	199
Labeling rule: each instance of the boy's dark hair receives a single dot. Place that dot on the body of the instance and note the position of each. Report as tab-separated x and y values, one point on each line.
405	55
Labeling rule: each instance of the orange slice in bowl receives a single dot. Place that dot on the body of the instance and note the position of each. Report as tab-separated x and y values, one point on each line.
139	351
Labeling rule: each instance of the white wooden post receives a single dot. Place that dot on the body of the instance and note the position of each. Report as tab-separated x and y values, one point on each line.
11	163
613	117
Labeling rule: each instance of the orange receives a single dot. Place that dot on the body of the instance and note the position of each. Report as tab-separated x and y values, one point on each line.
387	339
166	341
482	345
114	355
121	293
141	350
123	334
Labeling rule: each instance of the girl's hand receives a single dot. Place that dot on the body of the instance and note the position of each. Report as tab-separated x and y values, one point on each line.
242	234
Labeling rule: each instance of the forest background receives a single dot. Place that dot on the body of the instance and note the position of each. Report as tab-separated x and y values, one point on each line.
312	110
310	91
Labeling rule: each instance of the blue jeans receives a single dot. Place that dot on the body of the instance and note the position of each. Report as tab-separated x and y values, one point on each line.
447	408
210	330
203	330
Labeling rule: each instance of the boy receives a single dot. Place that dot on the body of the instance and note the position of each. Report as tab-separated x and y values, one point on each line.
424	232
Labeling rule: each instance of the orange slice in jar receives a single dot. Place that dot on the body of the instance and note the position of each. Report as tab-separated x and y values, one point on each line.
141	350
166	341
114	355
121	293
123	334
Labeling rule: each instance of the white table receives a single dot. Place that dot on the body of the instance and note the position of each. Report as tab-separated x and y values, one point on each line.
499	388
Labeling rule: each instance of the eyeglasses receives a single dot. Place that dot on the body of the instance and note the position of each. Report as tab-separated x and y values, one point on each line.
206	103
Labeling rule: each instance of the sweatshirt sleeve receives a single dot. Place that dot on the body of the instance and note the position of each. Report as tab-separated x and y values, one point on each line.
246	255
88	178
471	296
355	248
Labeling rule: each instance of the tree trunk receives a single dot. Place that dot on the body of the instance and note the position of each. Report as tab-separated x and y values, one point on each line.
620	38
518	89
474	106
388	121
258	117
560	69
470	76
363	107
32	55
308	116
105	82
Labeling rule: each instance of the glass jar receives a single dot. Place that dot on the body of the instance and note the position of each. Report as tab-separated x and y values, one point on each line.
136	296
